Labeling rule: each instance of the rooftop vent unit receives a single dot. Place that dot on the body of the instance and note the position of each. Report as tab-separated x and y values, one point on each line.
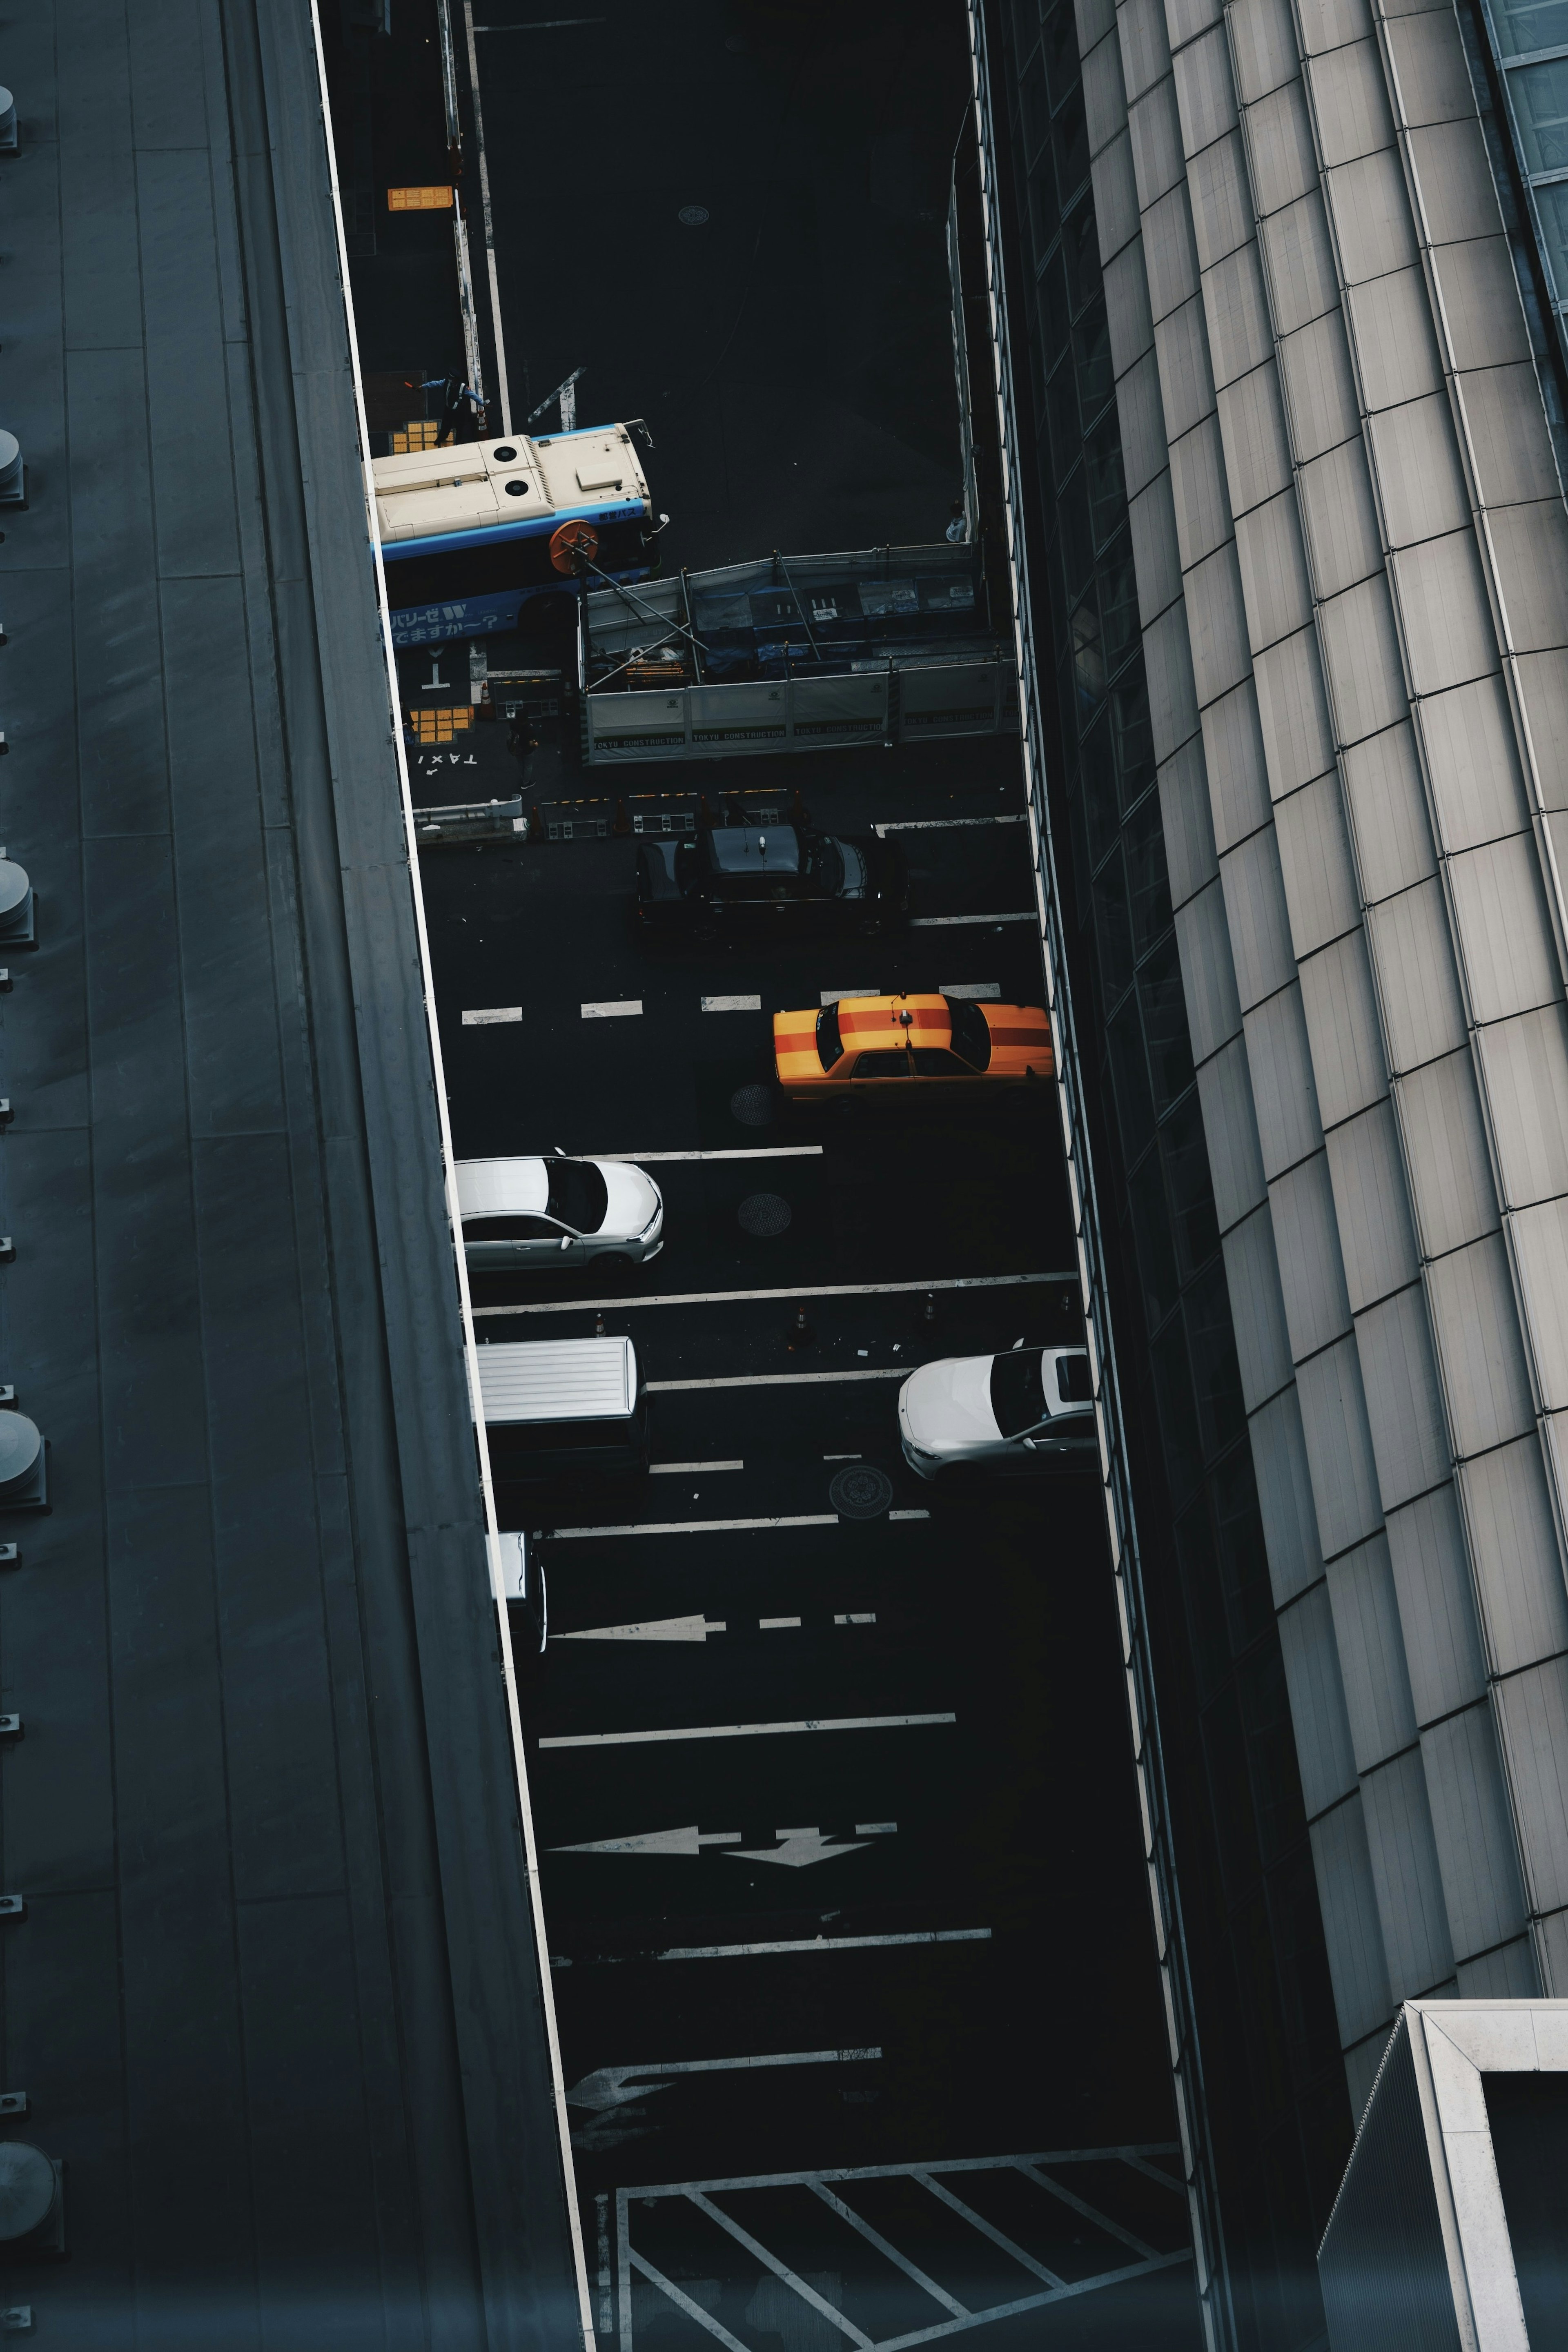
24	1481
7	123
32	2200
16	925
13	472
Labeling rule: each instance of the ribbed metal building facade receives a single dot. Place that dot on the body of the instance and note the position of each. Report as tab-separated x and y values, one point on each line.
1335	348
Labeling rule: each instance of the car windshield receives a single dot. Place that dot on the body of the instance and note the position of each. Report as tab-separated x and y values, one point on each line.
578	1194
1018	1391
1072	1377
971	1031
826	866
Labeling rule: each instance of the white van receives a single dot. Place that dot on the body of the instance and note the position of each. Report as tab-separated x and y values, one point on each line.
563	1408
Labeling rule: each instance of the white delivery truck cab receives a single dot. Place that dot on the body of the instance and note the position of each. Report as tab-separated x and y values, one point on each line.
562	1409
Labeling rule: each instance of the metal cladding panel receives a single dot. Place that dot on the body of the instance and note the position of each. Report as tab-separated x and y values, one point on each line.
1127	311
1273	565
1203	92
1530	546
1221	206
1256	446
1145	52
1371	1207
1512	1972
1311	1271
1341	518
1238	776
1451	1188
1256	913
1198	497
1339	1447
1293	712
1320	389
1341	1865
1382	2264
1544	687
1341	1021
1540	1257
1403	1854
1361	653
1155	560
1256	1311
1396	350
1103	105
1317	1715
1533	1707
1511	448
1443	1652
1525	1064
1263	46
1298	256
1236	310
1428	63
1208	976
1419	987
1169	257
1321	887
1186	387
1372	1656
1505	933
1156	141
1443	606
1474	1832
1372	220
1479	298
1115	195
1472	762
1285	1496
1454	183
1185	822
1230	1131
1388	811
1139	422
1283	1088
1168	669
1408	1434
1420	480
1479	1346
1279	144
1513	1546
1350	102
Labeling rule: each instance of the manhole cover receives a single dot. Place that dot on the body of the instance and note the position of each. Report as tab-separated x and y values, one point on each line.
860	1492
692	215
753	1106
763	1214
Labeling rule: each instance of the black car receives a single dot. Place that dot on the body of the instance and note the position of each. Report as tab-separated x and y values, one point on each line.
773	881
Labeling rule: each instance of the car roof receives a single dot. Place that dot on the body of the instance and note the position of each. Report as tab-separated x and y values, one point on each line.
529	1380
753	849
502	1187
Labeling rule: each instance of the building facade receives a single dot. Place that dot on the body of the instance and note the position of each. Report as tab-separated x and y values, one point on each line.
1278	351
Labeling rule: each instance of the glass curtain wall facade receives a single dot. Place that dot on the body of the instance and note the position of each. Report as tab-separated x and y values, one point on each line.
1278	2113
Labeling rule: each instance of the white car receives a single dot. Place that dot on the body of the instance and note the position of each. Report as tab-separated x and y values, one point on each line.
1030	1410
546	1216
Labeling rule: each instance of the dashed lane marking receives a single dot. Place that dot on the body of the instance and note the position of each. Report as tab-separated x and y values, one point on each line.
714	1526
752	1151
486	1016
673	1469
842	995
946	922
748	1731
784	1380
731	1005
820	1290
798	1944
969	988
623	1010
940	824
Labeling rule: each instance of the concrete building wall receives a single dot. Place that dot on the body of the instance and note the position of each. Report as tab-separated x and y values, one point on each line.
1349	543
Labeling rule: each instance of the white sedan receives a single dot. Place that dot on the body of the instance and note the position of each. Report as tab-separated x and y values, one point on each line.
1032	1409
546	1216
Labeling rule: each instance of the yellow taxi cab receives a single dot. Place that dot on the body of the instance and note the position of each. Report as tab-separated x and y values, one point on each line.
909	1044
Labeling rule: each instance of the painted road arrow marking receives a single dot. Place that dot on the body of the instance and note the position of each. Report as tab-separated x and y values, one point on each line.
689	1841
654	1628
799	1848
606	2087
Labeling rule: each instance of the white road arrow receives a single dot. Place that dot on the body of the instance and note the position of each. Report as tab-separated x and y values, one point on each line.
656	1629
799	1848
607	2086
658	1841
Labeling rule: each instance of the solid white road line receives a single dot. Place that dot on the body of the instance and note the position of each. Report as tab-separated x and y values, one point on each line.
486	1016
731	1005
800	1944
969	988
542	24
621	1011
653	1629
939	824
783	1380
822	1290
843	995
672	1469
756	1152
946	922
696	1526
746	1730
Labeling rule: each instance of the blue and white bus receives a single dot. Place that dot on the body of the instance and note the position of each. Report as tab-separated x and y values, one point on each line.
466	531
